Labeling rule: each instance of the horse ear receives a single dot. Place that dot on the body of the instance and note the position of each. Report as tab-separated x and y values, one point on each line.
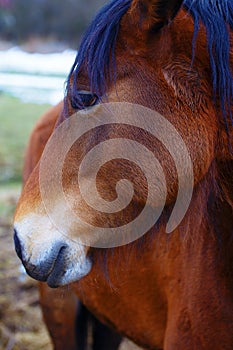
154	14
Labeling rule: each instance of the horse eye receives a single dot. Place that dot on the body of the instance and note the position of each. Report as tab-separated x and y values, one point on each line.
85	99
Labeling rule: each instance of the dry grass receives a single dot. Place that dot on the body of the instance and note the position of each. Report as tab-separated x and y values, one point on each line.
21	326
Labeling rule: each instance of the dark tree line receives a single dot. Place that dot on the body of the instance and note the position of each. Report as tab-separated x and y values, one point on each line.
63	20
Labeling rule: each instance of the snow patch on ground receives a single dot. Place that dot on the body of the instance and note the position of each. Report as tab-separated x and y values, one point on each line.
37	78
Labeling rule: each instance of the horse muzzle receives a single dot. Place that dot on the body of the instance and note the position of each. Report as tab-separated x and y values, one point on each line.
57	264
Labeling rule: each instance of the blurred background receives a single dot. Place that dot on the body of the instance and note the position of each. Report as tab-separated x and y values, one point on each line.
38	43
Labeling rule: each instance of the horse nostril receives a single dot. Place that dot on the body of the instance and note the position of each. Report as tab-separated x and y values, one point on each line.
18	248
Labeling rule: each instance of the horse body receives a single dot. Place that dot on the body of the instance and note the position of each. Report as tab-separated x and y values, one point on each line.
159	298
163	292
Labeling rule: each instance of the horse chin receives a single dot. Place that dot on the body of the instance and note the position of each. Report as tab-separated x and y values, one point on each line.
59	272
74	272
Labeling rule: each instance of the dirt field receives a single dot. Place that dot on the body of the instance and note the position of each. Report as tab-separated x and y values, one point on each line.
21	325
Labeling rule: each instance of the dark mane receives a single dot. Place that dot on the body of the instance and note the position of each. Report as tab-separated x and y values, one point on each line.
97	48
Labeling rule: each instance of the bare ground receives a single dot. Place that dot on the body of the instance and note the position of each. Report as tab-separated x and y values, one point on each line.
21	326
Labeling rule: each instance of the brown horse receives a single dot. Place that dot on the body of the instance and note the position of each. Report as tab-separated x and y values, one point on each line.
164	292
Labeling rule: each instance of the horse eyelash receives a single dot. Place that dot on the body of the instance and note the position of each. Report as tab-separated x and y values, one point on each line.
79	101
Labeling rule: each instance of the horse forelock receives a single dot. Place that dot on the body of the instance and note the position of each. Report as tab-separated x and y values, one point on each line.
97	49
